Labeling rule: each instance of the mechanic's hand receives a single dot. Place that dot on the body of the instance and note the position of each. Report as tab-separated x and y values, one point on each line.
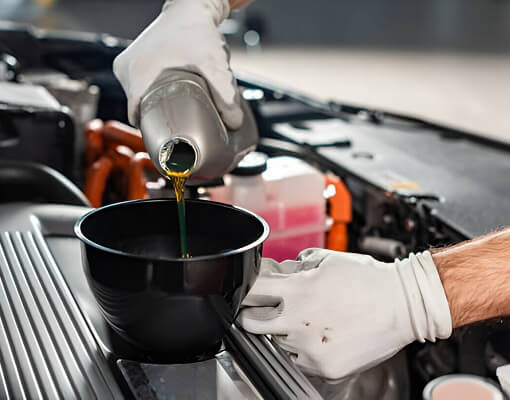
341	313
184	36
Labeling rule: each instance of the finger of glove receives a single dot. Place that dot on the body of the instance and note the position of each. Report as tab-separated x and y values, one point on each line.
306	365
266	291
262	313
282	342
262	320
269	266
311	369
224	90
311	258
261	300
226	98
120	70
133	111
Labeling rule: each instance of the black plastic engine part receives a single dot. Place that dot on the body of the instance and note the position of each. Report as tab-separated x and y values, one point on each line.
35	127
25	181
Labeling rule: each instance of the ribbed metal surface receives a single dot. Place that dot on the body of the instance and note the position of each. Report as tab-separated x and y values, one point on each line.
46	348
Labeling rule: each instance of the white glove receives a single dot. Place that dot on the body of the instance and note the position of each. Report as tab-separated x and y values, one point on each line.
503	374
184	36
341	313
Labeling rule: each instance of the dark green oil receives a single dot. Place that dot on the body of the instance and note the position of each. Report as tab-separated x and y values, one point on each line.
178	168
183	232
178	180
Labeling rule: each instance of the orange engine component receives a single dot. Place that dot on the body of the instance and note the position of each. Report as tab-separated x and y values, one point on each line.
116	133
114	151
121	157
340	210
136	180
93	141
95	180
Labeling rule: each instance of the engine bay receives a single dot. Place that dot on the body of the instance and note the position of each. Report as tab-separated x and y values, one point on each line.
393	185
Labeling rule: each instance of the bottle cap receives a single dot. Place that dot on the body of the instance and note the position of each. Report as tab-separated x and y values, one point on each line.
253	163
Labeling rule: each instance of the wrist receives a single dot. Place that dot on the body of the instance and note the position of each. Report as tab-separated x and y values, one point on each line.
460	289
425	300
475	278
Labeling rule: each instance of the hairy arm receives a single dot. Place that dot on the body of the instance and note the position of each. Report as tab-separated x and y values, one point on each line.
476	277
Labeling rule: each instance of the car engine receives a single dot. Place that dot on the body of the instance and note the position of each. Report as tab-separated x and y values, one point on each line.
392	185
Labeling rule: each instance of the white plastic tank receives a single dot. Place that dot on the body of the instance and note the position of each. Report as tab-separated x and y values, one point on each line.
285	191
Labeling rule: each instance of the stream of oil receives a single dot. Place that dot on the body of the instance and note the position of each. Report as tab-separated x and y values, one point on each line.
178	180
178	168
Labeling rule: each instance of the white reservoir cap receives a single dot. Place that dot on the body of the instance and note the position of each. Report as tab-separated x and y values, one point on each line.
460	386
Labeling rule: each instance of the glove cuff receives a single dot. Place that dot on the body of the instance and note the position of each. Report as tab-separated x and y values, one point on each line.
426	300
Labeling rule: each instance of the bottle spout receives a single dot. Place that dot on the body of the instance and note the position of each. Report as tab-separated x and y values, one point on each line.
178	156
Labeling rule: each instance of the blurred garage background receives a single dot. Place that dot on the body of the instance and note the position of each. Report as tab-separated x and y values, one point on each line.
443	60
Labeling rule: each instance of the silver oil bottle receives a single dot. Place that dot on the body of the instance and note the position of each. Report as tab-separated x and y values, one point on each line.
178	115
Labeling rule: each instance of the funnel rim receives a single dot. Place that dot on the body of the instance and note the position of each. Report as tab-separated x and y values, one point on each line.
86	240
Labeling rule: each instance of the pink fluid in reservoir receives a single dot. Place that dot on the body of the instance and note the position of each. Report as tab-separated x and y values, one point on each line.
465	389
289	196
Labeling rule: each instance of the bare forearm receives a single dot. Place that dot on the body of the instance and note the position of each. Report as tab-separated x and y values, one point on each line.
476	277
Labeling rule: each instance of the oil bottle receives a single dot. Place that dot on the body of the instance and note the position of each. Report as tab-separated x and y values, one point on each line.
178	116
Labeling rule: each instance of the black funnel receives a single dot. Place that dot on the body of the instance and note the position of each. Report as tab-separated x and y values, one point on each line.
169	308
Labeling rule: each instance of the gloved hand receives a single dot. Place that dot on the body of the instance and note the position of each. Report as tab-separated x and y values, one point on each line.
503	374
184	36
341	313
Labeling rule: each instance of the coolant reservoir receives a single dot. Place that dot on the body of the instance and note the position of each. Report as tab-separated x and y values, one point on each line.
288	193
